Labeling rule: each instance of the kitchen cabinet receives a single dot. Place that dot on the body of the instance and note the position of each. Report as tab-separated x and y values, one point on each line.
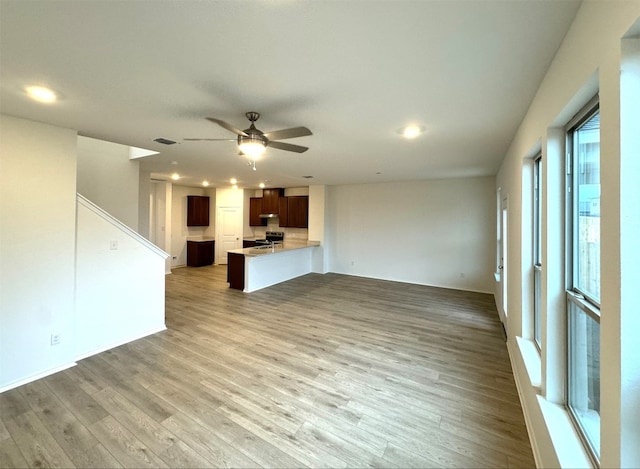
270	200
200	253
298	211
283	211
246	243
197	210
294	211
235	271
255	209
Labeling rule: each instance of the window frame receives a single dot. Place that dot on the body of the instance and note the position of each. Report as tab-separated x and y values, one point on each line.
574	295
537	250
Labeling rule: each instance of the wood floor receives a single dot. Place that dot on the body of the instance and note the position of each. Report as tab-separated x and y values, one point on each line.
321	371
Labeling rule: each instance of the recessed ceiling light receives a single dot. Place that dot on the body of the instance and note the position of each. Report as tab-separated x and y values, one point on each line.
412	131
261	185
205	183
175	176
41	94
233	181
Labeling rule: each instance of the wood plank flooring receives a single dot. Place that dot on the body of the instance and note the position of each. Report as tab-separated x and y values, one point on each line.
321	371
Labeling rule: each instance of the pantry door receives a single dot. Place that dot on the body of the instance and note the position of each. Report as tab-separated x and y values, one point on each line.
228	232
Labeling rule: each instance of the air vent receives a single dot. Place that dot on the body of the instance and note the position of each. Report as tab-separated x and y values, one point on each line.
308	177
164	141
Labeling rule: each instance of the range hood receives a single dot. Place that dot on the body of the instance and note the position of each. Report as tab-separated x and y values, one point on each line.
268	215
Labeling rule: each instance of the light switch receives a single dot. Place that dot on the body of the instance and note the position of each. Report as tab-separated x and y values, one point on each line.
113	245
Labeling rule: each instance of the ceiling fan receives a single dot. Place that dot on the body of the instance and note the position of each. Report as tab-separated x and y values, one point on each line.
252	142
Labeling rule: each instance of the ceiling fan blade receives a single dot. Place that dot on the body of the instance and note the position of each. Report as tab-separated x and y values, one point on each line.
210	139
227	126
287	146
288	133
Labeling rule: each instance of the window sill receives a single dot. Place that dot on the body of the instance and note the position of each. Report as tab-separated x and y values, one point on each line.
531	358
566	442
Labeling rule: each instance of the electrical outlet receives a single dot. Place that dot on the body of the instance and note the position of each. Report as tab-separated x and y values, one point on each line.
55	339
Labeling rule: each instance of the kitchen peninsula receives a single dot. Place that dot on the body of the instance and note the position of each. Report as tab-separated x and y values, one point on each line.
254	268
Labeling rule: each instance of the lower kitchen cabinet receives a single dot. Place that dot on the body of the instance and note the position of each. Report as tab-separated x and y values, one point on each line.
235	270
200	253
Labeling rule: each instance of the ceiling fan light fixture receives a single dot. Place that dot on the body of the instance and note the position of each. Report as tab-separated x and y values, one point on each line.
412	131
251	147
41	94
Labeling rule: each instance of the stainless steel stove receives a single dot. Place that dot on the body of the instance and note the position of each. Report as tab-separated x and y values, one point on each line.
275	237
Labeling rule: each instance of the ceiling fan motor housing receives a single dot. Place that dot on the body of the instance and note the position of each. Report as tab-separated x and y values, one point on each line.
253	136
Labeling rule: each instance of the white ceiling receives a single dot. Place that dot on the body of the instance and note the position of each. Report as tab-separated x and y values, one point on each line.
354	72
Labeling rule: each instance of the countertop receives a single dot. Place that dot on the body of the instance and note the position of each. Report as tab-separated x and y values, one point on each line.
288	245
199	239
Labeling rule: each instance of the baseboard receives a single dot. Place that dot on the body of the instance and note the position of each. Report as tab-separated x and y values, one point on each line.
119	343
525	410
36	377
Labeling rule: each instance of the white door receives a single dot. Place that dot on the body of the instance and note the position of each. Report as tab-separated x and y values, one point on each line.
504	212
228	232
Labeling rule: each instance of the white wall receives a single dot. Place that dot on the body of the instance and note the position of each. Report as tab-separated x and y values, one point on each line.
109	179
37	244
144	204
160	218
319	227
588	60
119	283
436	232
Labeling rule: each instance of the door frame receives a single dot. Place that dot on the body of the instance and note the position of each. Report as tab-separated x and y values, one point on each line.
220	230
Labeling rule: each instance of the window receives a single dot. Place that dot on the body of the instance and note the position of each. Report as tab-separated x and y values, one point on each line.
583	275
537	247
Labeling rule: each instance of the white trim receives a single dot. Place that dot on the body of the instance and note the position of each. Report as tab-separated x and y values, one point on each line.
121	226
66	366
121	342
567	444
535	448
37	376
531	358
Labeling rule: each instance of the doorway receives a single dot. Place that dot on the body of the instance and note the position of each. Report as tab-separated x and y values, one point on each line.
228	232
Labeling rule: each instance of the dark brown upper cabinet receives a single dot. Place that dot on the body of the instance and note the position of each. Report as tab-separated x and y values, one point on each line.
255	209
270	200
197	210
283	211
298	211
294	211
